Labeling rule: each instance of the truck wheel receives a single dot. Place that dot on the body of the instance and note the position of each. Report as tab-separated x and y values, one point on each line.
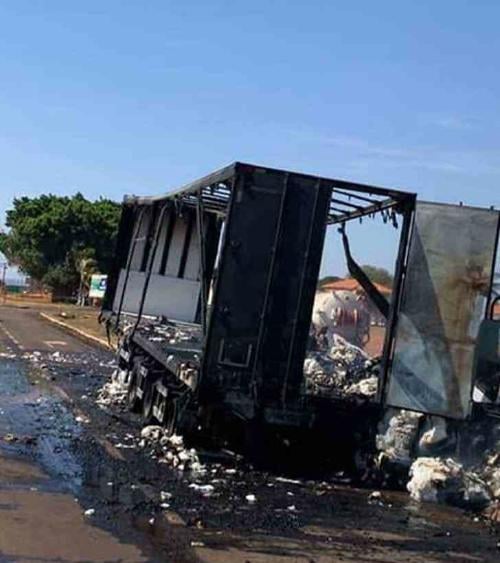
170	418
255	440
133	401
148	401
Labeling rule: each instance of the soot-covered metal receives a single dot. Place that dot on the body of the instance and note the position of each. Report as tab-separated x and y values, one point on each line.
212	294
230	265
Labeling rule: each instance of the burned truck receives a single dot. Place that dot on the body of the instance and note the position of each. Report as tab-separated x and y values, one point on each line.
212	291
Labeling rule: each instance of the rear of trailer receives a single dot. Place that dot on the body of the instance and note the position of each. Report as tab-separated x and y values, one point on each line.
213	287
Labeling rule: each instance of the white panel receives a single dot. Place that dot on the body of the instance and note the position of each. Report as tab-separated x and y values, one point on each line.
192	269
161	245
140	245
175	298
176	247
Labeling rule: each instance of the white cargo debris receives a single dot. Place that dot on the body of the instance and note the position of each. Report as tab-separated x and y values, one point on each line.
467	475
152	433
435	435
446	481
493	479
82	419
164	496
170	449
476	491
431	478
489	472
367	387
288	480
398	440
342	370
89	512
112	393
158	331
120	376
204	490
8	355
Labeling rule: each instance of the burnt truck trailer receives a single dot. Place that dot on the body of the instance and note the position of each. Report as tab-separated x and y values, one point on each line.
213	285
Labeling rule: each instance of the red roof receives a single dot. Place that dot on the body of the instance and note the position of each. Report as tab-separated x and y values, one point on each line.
350	284
496	311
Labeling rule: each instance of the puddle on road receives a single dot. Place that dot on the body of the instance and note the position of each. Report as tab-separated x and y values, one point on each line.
40	517
35	424
38	525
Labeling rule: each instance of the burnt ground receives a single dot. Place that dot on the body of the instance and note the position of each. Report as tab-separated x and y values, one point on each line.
50	420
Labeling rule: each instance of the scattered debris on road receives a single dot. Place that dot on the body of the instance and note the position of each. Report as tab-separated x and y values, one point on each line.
205	490
446	481
112	393
170	449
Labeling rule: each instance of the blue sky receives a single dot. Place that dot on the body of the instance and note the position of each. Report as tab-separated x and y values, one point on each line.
115	97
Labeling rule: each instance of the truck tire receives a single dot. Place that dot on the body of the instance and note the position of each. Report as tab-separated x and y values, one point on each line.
133	401
148	401
170	419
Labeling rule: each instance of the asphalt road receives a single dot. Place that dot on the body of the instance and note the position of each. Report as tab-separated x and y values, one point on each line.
40	476
24	331
58	447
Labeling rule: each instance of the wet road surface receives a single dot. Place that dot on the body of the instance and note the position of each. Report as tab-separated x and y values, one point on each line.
56	446
41	523
40	517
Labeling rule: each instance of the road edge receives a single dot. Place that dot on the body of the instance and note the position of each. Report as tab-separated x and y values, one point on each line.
77	332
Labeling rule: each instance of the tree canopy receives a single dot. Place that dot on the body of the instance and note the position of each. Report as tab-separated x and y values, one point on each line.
378	275
50	235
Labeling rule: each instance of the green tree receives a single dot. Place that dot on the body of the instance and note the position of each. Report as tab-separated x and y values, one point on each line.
3	242
49	236
378	275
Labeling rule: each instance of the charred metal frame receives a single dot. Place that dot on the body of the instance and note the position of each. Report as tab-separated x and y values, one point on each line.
149	255
294	208
491	301
399	275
